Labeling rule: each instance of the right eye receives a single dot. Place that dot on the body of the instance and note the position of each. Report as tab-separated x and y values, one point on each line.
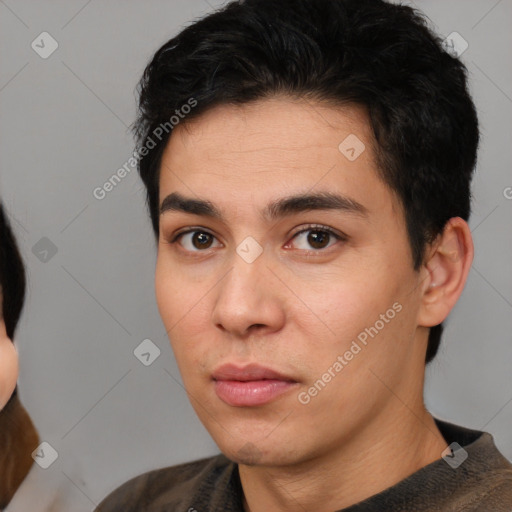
198	242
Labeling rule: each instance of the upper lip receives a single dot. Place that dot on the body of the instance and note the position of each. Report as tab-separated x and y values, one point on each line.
247	373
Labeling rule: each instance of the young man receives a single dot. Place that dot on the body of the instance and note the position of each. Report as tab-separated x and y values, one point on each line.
308	167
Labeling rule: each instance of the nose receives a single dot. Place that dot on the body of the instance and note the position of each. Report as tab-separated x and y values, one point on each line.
249	299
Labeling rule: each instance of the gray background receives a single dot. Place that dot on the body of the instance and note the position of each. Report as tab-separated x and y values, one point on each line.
64	132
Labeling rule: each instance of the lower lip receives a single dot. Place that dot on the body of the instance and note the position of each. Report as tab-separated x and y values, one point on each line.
250	393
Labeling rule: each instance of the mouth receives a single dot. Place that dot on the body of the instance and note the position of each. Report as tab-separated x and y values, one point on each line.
251	385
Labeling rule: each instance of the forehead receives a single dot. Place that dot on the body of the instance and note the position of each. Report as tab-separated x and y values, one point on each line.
272	148
280	125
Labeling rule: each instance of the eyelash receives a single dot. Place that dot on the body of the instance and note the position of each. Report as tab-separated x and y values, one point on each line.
312	227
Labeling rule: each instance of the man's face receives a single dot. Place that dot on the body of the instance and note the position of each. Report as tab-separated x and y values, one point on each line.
278	292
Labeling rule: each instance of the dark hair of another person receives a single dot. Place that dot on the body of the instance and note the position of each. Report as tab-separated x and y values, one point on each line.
369	53
18	436
12	276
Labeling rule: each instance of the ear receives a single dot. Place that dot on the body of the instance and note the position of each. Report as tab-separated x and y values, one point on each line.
445	271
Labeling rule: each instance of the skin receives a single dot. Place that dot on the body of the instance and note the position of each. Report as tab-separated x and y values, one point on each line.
8	366
298	306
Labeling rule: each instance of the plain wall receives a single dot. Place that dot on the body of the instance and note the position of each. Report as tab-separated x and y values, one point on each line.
65	131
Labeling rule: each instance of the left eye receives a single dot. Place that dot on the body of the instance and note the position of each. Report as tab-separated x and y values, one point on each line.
317	238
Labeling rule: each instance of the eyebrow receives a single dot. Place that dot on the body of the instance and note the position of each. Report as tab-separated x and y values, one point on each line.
282	207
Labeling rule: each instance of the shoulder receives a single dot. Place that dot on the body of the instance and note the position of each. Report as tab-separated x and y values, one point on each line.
482	481
495	496
172	485
492	488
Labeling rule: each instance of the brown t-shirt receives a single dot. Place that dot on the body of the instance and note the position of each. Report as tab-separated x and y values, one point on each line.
481	483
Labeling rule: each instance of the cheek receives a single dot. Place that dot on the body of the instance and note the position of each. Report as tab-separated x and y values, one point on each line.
8	370
180	288
365	308
339	306
174	294
183	308
165	292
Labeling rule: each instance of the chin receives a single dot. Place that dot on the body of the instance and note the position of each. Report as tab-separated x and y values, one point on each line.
249	455
259	453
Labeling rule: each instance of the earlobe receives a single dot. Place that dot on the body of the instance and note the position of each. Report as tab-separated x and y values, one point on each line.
445	272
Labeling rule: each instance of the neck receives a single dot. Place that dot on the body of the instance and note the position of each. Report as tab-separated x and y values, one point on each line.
383	454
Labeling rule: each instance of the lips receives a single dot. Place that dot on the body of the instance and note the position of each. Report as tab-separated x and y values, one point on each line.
248	373
251	385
